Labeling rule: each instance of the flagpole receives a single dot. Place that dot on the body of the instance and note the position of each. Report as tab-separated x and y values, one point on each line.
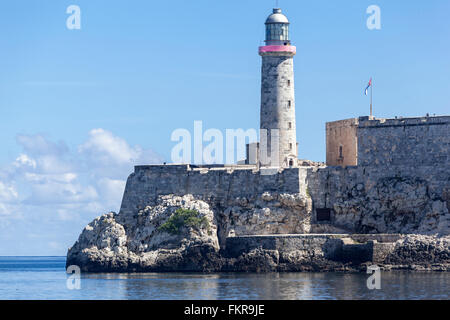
371	99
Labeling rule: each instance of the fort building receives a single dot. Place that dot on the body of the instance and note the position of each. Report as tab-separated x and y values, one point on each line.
368	141
383	178
381	175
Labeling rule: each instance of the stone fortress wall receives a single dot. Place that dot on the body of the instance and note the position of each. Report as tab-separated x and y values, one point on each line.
401	185
407	142
358	199
219	184
364	141
244	199
401	181
383	199
260	222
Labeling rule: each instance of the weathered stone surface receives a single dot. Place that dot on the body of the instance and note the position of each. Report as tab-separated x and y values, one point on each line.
338	253
371	142
409	142
392	200
363	199
271	213
240	201
134	242
420	250
397	205
123	243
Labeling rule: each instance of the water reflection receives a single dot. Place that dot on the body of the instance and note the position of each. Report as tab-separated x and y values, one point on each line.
45	278
276	286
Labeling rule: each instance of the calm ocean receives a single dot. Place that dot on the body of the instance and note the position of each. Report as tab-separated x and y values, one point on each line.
45	278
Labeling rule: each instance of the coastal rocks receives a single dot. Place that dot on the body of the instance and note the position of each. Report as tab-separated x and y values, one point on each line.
138	243
143	228
320	253
257	260
100	246
420	250
269	234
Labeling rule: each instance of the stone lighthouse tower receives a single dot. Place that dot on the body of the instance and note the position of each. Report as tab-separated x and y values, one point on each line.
277	95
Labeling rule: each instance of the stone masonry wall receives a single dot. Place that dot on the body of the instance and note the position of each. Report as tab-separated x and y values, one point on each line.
342	143
394	199
383	199
244	199
216	184
408	142
343	247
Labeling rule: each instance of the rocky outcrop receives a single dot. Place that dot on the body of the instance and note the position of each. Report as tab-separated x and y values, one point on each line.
141	242
392	205
420	250
339	252
270	213
135	242
115	242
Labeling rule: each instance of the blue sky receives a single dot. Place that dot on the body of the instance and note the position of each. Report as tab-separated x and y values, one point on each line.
77	105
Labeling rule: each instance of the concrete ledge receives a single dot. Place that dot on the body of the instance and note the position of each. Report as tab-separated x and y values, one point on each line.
338	247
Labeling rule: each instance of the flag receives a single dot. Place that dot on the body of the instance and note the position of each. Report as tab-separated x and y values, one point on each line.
368	86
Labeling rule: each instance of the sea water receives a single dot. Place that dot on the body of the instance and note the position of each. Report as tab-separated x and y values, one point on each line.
46	278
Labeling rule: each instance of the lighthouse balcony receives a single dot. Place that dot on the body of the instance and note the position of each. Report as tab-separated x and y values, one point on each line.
288	49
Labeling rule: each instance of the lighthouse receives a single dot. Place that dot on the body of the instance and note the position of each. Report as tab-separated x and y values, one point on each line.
278	145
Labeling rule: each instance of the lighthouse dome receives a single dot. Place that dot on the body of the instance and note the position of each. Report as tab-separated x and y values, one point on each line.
277	17
277	29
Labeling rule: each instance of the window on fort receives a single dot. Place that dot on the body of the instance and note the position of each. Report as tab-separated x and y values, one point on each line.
341	153
289	83
290	146
290	125
289	103
323	214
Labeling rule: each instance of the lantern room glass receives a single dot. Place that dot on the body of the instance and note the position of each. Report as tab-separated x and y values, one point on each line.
277	34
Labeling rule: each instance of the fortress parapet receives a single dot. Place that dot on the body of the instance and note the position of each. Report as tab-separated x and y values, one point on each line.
366	141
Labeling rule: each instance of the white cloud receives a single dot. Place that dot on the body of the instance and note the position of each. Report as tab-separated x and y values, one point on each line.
7	193
111	189
53	163
49	177
38	145
4	210
61	193
24	161
112	157
106	148
55	191
45	178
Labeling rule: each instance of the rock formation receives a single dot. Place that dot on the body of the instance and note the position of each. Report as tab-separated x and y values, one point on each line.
392	205
137	242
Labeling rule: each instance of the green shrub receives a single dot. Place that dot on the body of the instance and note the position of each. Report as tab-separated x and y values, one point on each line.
308	194
184	218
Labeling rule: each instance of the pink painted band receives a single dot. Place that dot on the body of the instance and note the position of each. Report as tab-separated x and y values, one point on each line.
290	49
